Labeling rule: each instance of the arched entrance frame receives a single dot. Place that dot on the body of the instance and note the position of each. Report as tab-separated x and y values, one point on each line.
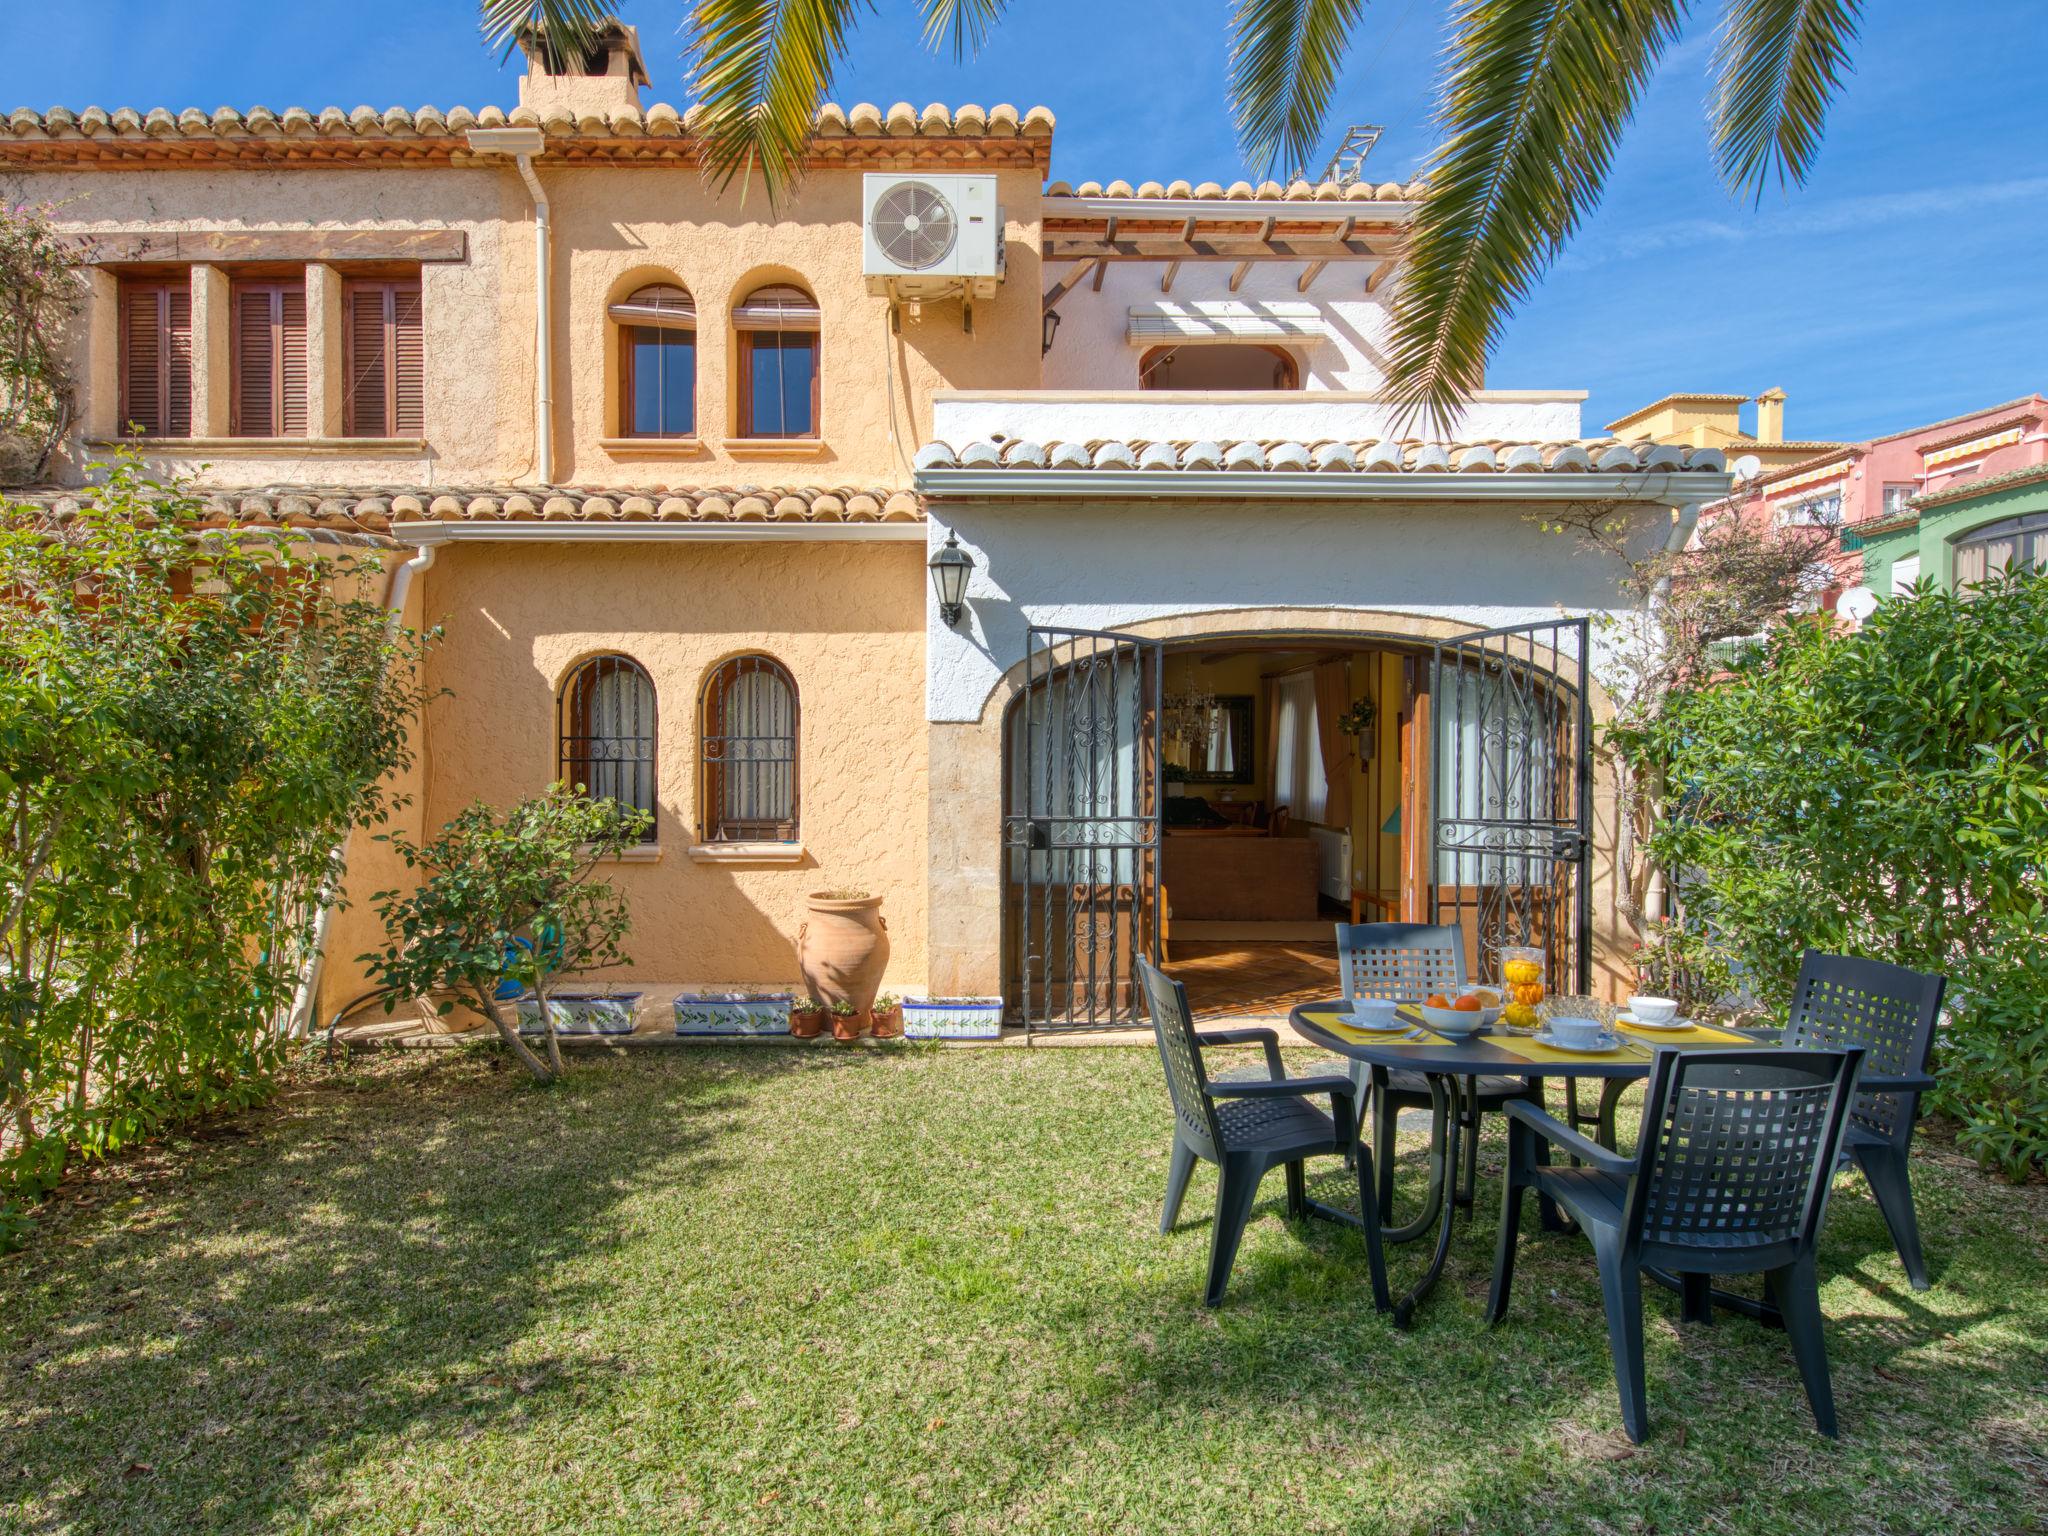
966	796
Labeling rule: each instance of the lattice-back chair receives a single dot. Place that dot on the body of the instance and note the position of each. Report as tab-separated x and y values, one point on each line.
1247	1128
1890	1012
1730	1176
1405	962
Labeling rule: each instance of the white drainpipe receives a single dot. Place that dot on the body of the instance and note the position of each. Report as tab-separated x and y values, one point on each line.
307	996
1684	518
523	144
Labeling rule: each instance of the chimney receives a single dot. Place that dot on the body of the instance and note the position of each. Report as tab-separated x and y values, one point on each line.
1770	416
604	77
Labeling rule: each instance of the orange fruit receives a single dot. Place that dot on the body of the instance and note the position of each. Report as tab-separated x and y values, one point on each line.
1437	1000
1469	1005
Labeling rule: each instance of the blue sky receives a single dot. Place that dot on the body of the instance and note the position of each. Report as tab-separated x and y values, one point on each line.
1902	285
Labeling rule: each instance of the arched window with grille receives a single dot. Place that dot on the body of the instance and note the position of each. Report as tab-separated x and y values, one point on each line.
657	362
606	730
750	752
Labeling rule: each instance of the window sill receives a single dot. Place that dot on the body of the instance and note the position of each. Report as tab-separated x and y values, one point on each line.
747	853
274	447
653	447
639	853
776	447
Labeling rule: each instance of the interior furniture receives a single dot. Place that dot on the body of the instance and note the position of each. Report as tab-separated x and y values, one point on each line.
1730	1176
1386	903
1405	962
1239	877
1247	1128
1890	1012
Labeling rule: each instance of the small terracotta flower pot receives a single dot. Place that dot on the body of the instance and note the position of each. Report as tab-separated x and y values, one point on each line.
850	1026
806	1023
889	1023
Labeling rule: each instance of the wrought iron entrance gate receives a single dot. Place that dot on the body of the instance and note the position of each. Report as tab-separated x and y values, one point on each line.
1081	829
1512	795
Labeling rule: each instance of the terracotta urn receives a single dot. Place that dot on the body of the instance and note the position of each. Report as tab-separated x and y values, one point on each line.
843	947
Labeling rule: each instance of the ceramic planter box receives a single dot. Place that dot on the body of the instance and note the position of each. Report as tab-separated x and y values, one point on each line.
952	1018
732	1013
582	1013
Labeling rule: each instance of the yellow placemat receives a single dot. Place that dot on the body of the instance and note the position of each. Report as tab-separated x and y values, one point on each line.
1333	1020
1546	1055
1695	1034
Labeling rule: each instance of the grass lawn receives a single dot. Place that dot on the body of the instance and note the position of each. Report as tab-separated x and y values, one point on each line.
745	1289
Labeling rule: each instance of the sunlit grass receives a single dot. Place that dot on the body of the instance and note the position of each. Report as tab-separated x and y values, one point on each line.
751	1289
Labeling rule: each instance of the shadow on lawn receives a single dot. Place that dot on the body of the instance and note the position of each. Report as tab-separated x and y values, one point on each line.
320	1276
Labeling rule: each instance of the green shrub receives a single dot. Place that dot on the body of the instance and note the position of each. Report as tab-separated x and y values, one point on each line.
1885	793
188	729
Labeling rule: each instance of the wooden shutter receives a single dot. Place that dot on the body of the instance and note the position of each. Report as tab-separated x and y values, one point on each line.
269	360
386	362
156	358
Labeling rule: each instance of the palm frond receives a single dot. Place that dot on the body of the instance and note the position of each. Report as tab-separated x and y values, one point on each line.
1536	95
964	25
1777	66
1284	56
761	71
567	26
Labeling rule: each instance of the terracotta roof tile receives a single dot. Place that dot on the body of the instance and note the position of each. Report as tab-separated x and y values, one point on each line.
1245	191
1405	456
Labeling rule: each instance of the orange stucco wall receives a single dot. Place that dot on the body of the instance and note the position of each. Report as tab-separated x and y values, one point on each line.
846	619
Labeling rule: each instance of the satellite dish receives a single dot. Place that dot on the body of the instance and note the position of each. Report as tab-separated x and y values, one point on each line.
1856	605
913	225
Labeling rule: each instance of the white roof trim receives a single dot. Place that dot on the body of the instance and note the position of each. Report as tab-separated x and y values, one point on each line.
902	531
1686	488
1225	320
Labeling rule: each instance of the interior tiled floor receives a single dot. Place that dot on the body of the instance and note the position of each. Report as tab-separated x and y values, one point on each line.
1253	979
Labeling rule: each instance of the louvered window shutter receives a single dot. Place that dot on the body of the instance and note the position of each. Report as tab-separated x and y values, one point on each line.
270	360
386	361
156	363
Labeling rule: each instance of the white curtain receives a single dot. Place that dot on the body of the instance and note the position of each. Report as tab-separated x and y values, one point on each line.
1298	781
621	723
760	731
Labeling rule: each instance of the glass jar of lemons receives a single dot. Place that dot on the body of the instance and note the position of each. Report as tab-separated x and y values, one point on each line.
1522	969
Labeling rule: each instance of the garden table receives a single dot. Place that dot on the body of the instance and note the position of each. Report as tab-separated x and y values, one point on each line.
1450	1063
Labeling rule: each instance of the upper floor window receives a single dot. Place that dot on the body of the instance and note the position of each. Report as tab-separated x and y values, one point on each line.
1222	366
606	733
156	356
383	358
1812	512
268	355
778	362
750	752
1896	495
657	362
2002	548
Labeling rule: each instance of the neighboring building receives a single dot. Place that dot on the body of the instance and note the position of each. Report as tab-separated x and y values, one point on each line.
1961	534
669	466
1714	421
1873	490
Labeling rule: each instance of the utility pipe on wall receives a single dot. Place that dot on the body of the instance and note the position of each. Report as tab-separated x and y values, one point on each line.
307	997
523	144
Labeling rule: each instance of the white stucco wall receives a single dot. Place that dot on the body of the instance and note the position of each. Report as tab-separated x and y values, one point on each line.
1098	565
1046	416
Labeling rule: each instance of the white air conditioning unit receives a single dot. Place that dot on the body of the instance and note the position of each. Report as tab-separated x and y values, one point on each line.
931	237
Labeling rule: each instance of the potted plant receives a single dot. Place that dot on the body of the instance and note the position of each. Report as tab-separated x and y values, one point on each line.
848	1022
806	1015
887	1017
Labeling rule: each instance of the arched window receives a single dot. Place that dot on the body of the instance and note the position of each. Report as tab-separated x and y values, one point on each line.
2002	548
750	753
657	362
606	726
777	328
1227	365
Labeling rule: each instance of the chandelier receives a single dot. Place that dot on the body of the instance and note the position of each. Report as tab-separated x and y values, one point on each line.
1191	718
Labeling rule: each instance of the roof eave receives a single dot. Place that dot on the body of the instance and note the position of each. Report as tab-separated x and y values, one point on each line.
1679	488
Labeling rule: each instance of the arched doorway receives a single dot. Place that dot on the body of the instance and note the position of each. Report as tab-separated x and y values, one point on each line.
1217	819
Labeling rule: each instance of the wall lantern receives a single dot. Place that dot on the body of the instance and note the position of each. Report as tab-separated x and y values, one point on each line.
1049	327
949	567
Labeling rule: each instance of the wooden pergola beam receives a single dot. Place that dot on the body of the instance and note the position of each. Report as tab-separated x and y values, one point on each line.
1239	249
1237	277
1308	275
1166	277
1065	285
1379	274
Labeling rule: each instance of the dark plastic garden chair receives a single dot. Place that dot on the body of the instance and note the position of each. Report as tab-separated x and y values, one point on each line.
1890	1012
1247	1128
1730	1176
1406	962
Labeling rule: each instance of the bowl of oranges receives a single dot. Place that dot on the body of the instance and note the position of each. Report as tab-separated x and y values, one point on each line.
1470	1011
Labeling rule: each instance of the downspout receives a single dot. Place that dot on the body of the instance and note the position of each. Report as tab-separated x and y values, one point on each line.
307	997
1684	519
523	144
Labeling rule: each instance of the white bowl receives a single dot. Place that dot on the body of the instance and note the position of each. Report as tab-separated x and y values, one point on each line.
1491	1012
1451	1021
1653	1010
1574	1033
1372	1012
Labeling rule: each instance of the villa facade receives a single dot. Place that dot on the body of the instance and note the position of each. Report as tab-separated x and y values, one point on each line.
1234	654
